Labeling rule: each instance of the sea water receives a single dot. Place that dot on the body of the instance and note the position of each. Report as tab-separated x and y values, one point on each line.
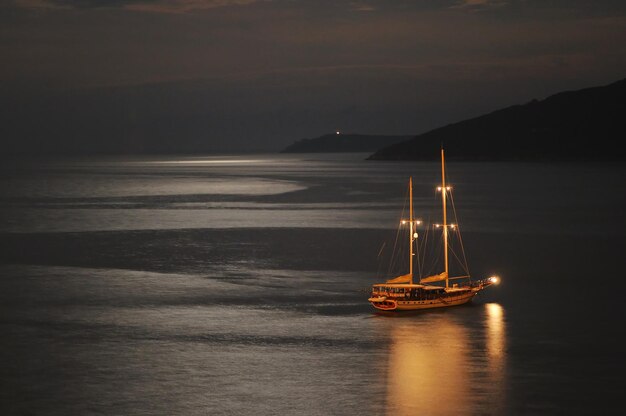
238	285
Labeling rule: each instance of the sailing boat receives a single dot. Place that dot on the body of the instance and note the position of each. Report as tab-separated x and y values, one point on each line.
406	292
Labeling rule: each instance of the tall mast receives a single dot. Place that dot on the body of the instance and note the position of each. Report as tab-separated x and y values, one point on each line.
411	229
445	224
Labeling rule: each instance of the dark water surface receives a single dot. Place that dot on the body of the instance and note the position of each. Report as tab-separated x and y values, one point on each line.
237	285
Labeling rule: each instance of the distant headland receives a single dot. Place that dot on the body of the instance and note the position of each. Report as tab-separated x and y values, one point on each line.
339	142
583	125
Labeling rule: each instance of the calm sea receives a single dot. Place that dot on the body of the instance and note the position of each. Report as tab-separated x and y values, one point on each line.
237	285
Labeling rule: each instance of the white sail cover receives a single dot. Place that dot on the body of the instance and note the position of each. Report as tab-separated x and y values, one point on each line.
405	278
435	278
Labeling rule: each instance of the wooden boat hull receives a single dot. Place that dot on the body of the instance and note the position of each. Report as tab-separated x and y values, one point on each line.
386	304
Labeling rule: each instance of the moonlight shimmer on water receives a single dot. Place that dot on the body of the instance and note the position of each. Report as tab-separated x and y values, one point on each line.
240	284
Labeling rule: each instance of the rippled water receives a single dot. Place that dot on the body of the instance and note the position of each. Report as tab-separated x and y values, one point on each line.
238	285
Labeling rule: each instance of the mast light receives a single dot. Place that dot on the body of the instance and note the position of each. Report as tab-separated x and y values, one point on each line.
415	222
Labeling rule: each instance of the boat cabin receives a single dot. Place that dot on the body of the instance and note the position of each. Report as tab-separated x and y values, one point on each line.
414	291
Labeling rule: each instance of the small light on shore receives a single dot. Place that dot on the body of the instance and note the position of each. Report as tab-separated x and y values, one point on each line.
494	279
337	132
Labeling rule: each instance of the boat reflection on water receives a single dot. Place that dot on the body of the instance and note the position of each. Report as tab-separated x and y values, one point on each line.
444	364
495	333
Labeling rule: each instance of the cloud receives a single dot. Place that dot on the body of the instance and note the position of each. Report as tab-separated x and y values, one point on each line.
362	7
183	6
36	4
478	4
70	4
157	6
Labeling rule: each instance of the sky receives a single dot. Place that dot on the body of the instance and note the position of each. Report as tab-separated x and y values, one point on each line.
256	75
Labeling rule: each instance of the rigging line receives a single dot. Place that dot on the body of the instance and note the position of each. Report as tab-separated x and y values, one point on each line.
382	247
430	243
392	259
394	255
436	257
424	244
451	248
417	256
458	259
380	263
460	239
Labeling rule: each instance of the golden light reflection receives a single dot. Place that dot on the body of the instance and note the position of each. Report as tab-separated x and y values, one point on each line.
447	365
496	351
496	355
495	332
427	364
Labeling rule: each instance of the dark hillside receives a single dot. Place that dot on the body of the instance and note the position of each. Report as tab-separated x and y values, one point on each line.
587	124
